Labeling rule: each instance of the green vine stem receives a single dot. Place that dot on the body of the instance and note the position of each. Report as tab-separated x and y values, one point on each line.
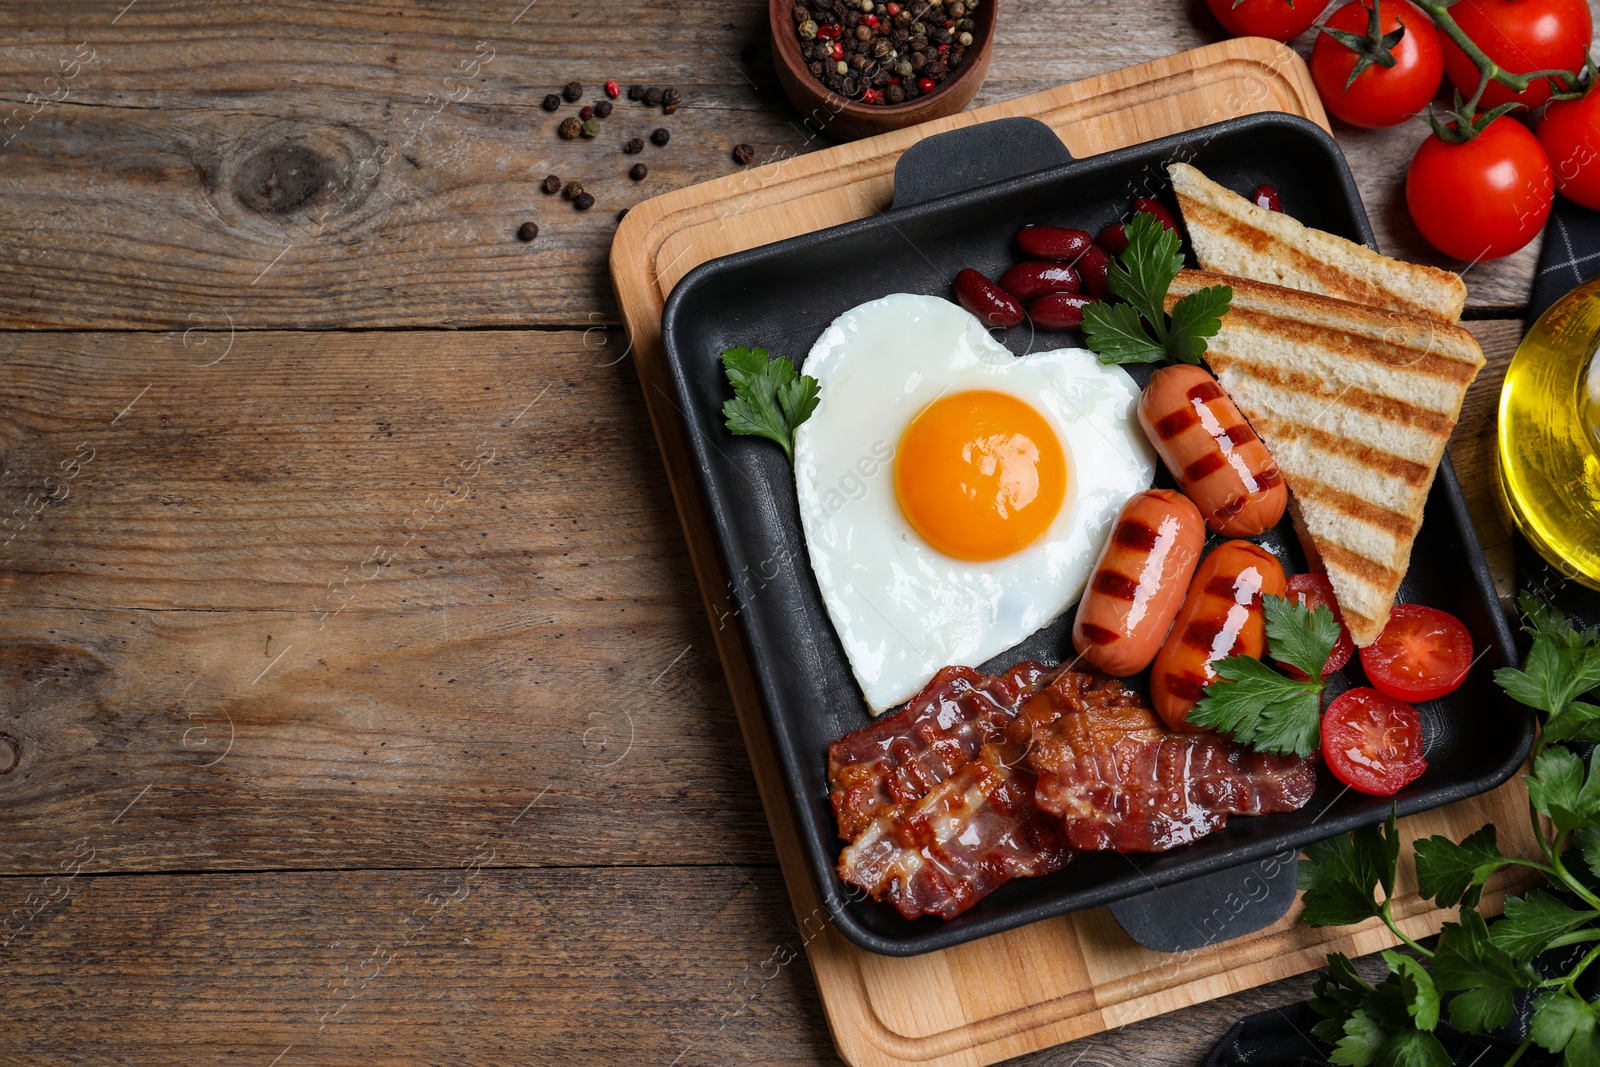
1387	915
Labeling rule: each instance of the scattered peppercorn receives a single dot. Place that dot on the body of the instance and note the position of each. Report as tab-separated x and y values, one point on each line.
586	113
622	214
552	184
552	102
653	96
743	153
527	231
603	109
570	127
635	92
583	202
612	89
573	190
634	146
573	92
660	136
591	128
671	97
639	172
669	109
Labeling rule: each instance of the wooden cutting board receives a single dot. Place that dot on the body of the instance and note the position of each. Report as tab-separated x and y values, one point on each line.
1079	974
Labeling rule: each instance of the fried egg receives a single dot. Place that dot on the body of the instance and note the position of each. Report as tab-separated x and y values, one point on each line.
954	497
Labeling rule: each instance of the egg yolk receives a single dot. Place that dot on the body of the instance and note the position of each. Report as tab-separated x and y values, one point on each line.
980	475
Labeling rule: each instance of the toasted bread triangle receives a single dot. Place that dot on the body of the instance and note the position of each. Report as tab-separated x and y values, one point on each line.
1232	236
1356	405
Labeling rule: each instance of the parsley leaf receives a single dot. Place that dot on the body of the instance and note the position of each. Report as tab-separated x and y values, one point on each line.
770	398
1363	1040
1558	790
1257	706
1422	999
1481	973
1533	921
1138	331
1412	1048
1453	874
1340	875
1559	1018
1336	995
1562	665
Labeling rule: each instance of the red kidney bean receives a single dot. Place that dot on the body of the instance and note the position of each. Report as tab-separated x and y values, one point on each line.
992	304
1059	311
1029	281
1093	269
1113	239
1155	207
1052	242
1266	196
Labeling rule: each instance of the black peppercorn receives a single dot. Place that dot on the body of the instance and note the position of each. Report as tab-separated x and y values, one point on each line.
815	67
652	96
586	113
635	92
570	127
527	231
573	190
583	203
634	146
743	153
918	61
671	96
552	102
622	214
660	136
573	92
850	87
552	184
603	109
895	94
639	172
801	14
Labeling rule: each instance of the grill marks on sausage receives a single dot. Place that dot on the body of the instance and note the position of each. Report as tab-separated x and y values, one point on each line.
1177	422
1204	392
1097	635
1115	584
1135	534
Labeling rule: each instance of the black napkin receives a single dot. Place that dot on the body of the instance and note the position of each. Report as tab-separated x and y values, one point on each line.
1282	1037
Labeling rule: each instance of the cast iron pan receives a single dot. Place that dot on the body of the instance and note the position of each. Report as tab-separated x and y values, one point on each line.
959	198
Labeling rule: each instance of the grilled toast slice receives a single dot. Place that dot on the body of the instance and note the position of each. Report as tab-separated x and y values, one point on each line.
1356	405
1232	236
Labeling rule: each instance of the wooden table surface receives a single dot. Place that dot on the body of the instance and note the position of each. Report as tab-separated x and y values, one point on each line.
355	694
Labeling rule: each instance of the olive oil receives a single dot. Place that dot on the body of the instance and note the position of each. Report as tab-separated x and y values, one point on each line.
1550	435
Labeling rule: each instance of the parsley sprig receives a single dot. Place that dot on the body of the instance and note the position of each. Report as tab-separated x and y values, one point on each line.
1257	706
1138	331
1472	978
770	398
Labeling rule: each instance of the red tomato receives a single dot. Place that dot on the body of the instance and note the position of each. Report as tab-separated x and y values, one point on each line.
1380	96
1278	19
1314	590
1422	654
1372	742
1522	36
1483	199
1570	134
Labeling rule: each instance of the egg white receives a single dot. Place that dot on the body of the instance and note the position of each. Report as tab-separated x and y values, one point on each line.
903	609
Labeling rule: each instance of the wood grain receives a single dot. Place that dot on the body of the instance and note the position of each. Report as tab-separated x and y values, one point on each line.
266	551
140	192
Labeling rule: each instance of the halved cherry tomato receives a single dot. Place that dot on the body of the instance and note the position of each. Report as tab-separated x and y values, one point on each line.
1373	742
1312	591
1422	654
1278	19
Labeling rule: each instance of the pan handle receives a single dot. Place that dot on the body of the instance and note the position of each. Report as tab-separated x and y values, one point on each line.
981	154
1211	908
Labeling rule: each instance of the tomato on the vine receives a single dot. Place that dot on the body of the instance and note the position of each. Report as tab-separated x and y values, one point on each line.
1373	742
1483	199
1521	36
1570	133
1277	19
1347	62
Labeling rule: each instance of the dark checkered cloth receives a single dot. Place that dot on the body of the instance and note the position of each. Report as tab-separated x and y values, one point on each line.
1282	1037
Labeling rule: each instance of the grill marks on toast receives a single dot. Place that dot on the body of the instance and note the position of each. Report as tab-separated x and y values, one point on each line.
1356	405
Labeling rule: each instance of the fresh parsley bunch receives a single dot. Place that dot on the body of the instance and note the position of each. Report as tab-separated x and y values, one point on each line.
1478	968
1257	706
1138	331
770	398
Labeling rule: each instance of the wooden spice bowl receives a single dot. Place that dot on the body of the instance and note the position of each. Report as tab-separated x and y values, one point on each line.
825	111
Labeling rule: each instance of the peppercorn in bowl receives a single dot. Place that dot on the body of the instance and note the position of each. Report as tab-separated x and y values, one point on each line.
856	68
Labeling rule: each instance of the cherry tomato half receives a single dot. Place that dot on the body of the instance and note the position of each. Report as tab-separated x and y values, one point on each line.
1483	199
1570	133
1379	96
1373	743
1422	654
1312	591
1278	19
1521	36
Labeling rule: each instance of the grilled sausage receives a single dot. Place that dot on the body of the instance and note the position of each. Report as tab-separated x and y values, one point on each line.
1138	583
1216	458
1221	616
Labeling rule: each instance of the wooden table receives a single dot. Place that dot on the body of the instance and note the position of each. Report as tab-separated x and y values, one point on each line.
355	695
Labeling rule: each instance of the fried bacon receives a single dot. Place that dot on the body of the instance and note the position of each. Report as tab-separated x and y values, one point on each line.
1120	779
981	779
936	801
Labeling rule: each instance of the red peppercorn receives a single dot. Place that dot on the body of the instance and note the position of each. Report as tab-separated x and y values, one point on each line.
892	9
838	51
613	90
828	31
944	48
926	85
869	20
586	114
